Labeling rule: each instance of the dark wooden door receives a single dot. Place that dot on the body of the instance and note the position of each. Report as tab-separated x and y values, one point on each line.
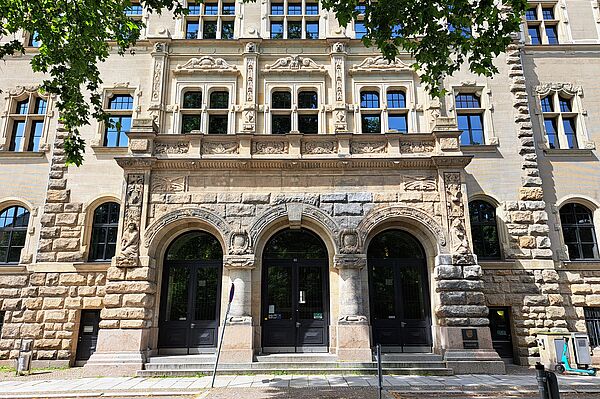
88	334
500	331
189	314
295	305
400	311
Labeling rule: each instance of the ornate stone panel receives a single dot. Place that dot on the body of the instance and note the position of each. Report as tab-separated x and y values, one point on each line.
180	147
270	147
420	183
294	63
456	217
129	249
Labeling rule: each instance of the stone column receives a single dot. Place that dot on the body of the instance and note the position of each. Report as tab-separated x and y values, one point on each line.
239	332
353	342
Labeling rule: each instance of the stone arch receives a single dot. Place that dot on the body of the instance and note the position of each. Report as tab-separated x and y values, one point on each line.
429	232
12	201
294	215
166	228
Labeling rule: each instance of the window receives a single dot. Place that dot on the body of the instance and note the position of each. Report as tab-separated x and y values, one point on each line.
370	114
560	123
308	115
592	322
134	10
218	112
360	30
13	231
27	118
104	232
541	23
214	20
281	114
120	107
469	115
294	20
397	111
484	230
578	231
34	40
191	118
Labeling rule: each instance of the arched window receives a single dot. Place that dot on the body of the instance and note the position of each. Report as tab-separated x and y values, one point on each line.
578	231
104	231
13	230
484	230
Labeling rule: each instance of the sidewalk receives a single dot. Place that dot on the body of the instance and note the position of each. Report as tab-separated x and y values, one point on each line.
138	386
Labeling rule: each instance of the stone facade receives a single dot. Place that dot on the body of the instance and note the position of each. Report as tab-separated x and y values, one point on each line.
343	185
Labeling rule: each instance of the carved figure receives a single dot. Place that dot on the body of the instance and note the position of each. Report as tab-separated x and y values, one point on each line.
129	246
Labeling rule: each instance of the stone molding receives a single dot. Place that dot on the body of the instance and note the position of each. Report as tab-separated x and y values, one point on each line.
239	262
380	64
350	261
206	64
569	89
294	64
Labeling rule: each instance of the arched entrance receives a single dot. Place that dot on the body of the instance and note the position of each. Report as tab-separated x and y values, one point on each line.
295	293
190	295
399	294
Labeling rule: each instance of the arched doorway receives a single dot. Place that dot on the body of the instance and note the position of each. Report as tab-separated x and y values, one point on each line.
295	293
399	294
190	294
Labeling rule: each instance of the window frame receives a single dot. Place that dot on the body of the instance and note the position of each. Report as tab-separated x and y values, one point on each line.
23	229
557	94
479	225
489	140
117	113
211	84
295	112
541	24
285	19
30	119
107	226
579	226
201	18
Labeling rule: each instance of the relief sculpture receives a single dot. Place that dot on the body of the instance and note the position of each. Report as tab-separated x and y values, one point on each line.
129	252
456	219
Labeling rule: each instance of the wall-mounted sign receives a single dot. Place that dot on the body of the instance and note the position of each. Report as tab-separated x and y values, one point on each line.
469	336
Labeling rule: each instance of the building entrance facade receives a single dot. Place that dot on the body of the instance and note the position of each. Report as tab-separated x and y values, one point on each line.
399	294
190	297
295	293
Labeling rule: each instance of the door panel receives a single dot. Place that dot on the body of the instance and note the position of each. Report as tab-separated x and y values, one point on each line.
500	331
88	334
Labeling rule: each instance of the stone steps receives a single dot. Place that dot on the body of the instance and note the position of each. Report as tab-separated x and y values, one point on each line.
314	371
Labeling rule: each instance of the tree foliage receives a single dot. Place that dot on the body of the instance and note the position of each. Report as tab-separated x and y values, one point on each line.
77	35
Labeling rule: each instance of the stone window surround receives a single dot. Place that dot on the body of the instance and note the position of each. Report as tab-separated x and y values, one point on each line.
575	94
266	18
589	203
97	143
406	86
205	84
500	223
485	97
88	212
272	85
560	16
20	94
29	239
181	21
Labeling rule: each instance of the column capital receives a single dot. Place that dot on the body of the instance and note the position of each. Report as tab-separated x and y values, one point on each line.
350	261
239	262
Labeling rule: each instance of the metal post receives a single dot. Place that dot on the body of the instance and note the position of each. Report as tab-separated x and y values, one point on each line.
379	371
540	375
231	293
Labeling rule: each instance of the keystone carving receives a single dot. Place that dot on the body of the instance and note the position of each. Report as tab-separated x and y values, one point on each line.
239	243
349	242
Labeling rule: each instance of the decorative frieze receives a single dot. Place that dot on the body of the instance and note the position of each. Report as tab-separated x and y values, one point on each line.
320	147
219	148
169	184
167	148
416	147
380	64
368	147
270	147
206	64
420	183
296	64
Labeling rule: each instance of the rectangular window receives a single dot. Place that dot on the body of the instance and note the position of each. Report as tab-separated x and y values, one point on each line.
534	34
22	107
211	9
277	9
551	132
308	124
34	40
190	122
592	322
134	10
18	134
312	30
210	30
472	129
227	30
551	34
565	104
217	124
398	122
194	9
371	123
281	124
547	104
548	13
312	9
116	133
228	9
276	30
570	132
294	9
359	30
191	29
360	9
37	129
40	106
531	14
294	30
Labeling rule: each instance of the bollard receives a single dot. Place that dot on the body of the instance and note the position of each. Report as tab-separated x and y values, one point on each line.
552	385
379	371
540	375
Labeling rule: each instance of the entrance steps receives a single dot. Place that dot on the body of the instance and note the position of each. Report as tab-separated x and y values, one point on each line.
299	364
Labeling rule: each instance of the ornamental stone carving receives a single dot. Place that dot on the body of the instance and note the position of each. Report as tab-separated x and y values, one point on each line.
420	183
380	64
339	80
199	214
349	261
456	217
415	147
294	63
206	64
240	262
129	250
181	147
320	147
168	184
239	243
349	242
251	47
370	147
567	88
385	213
338	47
218	148
20	90
270	147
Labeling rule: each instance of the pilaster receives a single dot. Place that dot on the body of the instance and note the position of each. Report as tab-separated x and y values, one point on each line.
338	62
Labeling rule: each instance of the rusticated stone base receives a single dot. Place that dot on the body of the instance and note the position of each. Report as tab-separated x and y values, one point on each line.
475	361
120	347
353	343
237	343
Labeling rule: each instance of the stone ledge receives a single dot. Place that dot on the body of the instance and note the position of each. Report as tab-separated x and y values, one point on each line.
61	267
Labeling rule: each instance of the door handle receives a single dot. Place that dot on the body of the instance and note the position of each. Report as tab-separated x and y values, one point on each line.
298	324
402	324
